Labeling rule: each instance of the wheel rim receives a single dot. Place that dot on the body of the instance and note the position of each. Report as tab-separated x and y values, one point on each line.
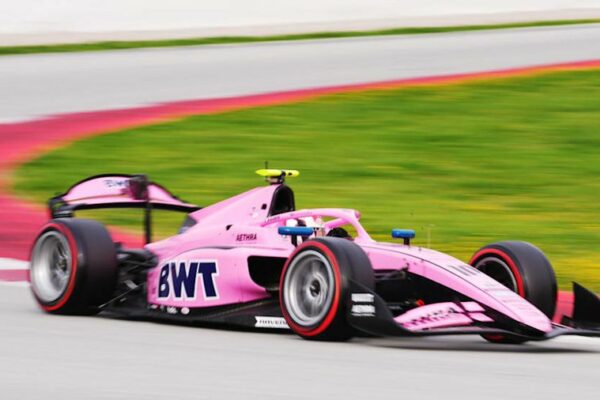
308	288
51	266
498	270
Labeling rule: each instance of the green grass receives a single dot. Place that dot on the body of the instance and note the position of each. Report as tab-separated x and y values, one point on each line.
121	45
463	164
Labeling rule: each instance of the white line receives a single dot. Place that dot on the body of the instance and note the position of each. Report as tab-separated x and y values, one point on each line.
15	284
11	263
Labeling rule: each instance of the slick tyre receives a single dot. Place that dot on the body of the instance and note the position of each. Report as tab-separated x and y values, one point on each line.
73	267
315	283
523	268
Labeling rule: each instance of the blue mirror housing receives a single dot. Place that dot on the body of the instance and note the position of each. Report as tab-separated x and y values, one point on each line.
405	234
295	230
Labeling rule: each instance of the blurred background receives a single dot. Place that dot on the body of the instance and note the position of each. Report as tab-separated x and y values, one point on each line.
69	21
468	121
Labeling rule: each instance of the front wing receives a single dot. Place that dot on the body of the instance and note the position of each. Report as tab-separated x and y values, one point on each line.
369	313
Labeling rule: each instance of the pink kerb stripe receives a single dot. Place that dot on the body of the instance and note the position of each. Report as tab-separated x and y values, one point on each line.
14	275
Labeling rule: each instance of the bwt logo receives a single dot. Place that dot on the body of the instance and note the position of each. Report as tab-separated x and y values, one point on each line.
120	183
179	280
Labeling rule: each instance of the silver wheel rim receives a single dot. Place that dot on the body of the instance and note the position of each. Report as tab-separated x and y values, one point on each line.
497	269
308	288
50	266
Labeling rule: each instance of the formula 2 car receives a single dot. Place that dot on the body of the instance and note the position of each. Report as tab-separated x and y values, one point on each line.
254	260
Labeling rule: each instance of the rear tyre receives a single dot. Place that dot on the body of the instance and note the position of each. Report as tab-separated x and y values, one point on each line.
524	269
73	267
315	286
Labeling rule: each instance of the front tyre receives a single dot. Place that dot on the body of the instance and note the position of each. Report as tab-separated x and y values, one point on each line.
315	286
73	267
524	269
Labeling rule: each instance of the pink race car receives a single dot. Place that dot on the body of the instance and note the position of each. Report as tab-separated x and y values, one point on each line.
254	260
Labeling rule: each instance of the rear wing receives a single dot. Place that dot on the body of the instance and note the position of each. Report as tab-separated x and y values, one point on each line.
117	191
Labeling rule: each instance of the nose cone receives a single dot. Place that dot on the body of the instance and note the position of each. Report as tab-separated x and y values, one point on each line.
521	309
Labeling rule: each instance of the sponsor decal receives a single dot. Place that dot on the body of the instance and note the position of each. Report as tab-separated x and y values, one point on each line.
434	316
271	322
179	280
170	309
362	298
275	218
363	310
443	315
465	270
118	183
245	237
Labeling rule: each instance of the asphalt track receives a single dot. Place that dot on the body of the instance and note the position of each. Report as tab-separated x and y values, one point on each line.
52	357
44	356
47	84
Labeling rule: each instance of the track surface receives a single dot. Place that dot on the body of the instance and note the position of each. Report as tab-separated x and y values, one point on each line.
101	358
58	83
44	356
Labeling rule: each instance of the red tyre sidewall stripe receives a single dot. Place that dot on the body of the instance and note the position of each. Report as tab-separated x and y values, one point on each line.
73	248
336	296
494	337
508	260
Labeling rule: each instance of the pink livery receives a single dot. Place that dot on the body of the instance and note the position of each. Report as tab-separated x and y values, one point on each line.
255	260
